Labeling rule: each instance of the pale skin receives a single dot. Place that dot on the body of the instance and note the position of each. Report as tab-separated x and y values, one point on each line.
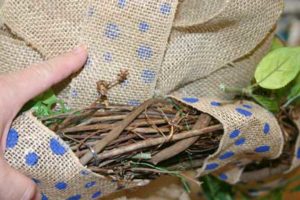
15	90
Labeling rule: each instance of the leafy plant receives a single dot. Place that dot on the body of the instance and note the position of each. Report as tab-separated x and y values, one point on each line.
43	104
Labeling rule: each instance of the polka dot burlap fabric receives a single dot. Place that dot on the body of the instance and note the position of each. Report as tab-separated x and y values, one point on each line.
184	47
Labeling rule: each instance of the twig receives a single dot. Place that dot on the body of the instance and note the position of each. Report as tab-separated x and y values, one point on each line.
157	141
114	133
182	145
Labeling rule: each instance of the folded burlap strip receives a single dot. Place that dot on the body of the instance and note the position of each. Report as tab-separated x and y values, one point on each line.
188	46
250	133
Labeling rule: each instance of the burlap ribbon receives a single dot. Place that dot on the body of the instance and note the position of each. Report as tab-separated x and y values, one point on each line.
186	48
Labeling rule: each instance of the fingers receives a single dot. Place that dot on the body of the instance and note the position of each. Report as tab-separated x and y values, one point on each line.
16	186
22	86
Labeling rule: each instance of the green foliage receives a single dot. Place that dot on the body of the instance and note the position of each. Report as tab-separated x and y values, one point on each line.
215	189
43	104
278	68
268	103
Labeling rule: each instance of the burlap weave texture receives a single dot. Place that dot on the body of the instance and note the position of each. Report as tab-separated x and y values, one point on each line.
188	47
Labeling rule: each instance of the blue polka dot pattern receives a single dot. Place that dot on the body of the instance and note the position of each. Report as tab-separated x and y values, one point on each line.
266	128
96	195
112	31
31	159
298	153
226	155
122	3
262	149
211	166
90	184
215	103
234	134
44	197
134	103
61	185
74	93
12	138
144	52
223	177
190	99
107	57
144	26
75	197
56	147
148	75
165	8
244	112
240	141
84	172
247	106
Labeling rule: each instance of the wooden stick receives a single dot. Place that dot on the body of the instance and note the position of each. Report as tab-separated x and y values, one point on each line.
157	141
115	132
178	147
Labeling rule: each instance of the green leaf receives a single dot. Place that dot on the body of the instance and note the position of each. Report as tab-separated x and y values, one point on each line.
269	104
295	91
47	97
276	43
278	68
296	189
215	189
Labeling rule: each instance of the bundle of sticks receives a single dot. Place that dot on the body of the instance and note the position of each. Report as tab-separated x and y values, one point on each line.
125	141
159	136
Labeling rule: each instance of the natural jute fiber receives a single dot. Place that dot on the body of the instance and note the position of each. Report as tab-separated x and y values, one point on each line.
183	48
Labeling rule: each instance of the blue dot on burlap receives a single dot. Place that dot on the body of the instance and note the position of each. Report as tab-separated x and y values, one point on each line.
75	197
226	155
56	147
215	103
298	153
244	112
266	128
12	138
84	172
44	197
134	102
262	149
234	133
144	52
240	141
107	57
90	184
223	177
144	26
190	99
61	185
96	195
165	8
211	166
148	75
31	159
121	3
74	93
247	106
90	11
112	31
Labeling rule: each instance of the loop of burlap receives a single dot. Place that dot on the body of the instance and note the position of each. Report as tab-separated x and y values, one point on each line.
187	46
251	133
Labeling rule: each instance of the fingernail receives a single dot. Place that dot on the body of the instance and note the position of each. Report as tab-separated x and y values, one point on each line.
80	48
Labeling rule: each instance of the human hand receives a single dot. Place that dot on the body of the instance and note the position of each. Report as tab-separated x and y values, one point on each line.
15	90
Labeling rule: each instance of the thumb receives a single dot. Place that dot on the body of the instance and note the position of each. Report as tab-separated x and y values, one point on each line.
19	87
16	186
